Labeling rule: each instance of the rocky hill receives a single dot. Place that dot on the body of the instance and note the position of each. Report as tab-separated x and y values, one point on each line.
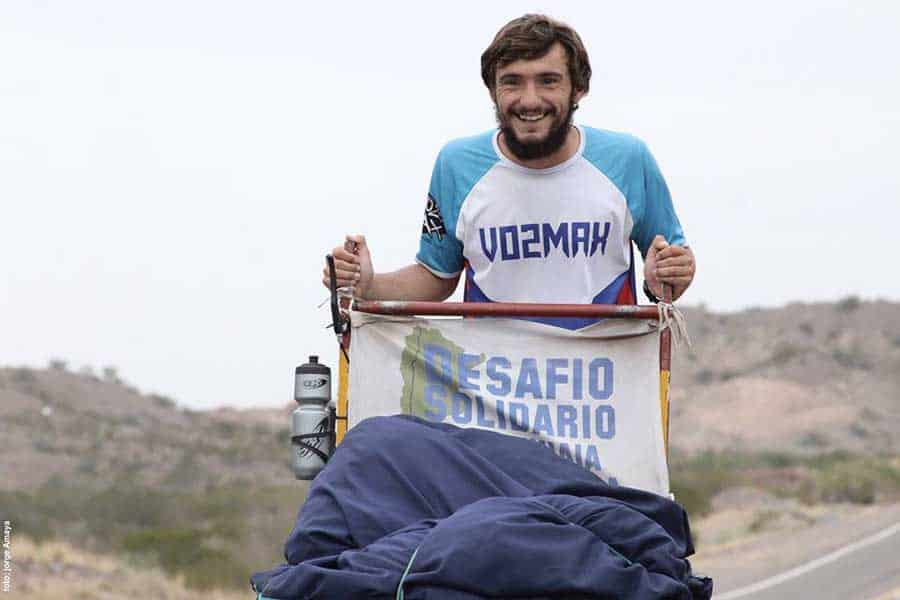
54	422
805	378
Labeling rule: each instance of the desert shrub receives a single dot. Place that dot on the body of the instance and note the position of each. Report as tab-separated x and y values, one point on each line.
869	414
861	480
761	519
696	501
129	421
186	472
827	460
188	552
170	547
233	455
121	507
783	352
213	568
775	460
162	401
842	477
58	364
848	304
851	358
87	464
729	374
696	480
705	376
261	429
859	430
221	504
846	482
23	376
111	374
44	445
814	439
27	518
224	428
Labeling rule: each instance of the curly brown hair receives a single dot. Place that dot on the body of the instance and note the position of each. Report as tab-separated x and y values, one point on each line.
530	37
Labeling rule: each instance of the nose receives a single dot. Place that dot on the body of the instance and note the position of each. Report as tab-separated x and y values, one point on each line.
530	98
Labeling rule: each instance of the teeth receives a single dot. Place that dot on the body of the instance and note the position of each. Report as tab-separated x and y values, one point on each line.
531	117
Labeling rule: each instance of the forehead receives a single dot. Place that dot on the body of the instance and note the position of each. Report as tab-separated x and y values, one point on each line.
554	61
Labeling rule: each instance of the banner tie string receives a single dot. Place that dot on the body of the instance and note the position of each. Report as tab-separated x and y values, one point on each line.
673	319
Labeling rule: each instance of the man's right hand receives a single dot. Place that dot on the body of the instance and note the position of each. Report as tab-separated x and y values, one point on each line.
352	265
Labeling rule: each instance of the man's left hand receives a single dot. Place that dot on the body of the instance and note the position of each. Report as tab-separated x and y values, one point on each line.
668	264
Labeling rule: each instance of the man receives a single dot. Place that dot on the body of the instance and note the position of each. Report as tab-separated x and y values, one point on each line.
539	210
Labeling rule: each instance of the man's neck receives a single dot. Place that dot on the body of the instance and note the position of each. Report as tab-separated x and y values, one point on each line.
565	152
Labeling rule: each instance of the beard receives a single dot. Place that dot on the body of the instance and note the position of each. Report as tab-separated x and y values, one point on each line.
556	137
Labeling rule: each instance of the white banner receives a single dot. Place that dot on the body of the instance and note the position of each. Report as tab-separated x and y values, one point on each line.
592	396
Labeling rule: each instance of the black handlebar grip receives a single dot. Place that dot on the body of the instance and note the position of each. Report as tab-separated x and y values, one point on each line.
332	286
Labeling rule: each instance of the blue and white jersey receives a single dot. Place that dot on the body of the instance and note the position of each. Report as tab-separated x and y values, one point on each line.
556	235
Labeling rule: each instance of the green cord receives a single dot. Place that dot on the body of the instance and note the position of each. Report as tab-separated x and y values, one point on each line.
405	573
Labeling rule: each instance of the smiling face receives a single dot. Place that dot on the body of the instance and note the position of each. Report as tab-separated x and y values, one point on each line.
534	101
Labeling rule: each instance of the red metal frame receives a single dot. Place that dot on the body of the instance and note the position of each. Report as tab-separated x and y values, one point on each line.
506	309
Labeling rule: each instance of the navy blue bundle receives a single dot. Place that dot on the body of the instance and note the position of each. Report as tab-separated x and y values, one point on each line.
416	510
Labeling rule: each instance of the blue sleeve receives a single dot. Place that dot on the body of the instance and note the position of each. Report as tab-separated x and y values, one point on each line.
655	215
439	250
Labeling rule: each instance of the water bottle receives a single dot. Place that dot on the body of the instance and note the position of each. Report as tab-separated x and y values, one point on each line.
312	425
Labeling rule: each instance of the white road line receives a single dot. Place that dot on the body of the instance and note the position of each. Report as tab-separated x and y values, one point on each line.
810	566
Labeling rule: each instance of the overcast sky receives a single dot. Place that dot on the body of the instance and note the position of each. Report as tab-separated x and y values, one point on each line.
171	173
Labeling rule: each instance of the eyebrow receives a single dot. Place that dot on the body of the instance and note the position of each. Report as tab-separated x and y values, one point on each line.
541	74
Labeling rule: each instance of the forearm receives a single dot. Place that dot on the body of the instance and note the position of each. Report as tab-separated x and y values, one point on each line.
414	282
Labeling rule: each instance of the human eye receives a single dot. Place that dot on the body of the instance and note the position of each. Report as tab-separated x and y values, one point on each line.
549	80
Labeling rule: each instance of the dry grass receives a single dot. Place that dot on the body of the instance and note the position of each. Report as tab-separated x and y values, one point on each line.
60	570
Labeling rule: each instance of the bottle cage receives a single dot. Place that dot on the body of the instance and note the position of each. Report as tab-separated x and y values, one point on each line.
327	432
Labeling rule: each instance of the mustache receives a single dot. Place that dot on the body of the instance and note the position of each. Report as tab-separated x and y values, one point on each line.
547	110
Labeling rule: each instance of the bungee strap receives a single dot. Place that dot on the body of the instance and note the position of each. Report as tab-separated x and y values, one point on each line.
399	595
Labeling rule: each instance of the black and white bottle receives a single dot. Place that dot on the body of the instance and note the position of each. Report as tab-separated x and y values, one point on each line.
312	435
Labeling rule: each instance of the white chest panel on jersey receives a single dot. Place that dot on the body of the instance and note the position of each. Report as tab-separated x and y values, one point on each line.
555	237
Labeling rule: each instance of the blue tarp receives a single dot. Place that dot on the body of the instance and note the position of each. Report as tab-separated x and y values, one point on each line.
417	510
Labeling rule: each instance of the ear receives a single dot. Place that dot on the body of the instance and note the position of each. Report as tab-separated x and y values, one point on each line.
579	94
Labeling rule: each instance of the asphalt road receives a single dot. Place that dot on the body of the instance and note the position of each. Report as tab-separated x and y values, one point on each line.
864	569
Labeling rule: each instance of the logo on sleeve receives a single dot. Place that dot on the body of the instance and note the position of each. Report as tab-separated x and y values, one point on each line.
433	225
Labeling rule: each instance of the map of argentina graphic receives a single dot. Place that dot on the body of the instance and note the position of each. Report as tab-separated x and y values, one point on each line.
413	365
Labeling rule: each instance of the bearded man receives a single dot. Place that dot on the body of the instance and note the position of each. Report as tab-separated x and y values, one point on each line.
540	209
